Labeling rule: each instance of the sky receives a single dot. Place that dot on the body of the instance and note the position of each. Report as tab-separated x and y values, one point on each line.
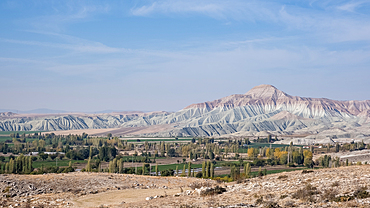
165	55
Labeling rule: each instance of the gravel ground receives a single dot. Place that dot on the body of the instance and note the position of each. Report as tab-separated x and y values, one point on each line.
294	189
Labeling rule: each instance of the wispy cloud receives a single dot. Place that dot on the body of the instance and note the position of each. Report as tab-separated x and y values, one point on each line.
352	6
318	18
65	14
76	44
234	9
327	26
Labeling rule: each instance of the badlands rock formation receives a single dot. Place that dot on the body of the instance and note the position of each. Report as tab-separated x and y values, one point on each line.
262	110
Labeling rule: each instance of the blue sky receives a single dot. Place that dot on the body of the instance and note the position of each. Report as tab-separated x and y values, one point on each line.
165	55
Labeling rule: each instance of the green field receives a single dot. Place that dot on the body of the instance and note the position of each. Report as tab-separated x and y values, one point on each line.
38	164
173	166
4	138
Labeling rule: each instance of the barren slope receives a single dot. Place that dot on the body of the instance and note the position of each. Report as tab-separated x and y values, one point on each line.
320	188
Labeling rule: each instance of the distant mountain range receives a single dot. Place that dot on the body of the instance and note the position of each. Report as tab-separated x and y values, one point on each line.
40	110
50	111
262	110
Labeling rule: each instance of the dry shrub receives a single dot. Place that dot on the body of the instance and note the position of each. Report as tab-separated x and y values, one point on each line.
6	190
240	180
344	198
283	196
186	206
282	177
259	201
306	193
352	204
335	184
271	205
329	194
289	204
307	171
269	196
213	191
198	185
360	193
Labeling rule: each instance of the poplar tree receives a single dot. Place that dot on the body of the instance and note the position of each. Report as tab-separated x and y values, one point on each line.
204	169
247	170
117	165
189	169
110	167
212	170
207	170
121	163
156	169
90	153
114	165
183	171
11	166
232	172
88	165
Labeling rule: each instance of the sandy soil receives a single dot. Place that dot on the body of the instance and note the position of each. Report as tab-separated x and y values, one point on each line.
120	197
80	131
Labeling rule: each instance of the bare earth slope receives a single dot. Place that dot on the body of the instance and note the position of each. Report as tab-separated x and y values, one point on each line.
262	109
320	188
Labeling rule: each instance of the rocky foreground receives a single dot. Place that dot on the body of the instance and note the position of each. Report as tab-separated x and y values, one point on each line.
340	187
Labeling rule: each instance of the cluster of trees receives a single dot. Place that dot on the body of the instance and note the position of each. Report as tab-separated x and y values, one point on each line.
269	139
208	169
20	165
55	143
117	166
24	165
289	155
327	161
353	146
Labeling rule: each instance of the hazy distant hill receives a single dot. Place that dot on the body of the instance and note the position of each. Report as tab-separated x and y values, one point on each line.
37	111
262	110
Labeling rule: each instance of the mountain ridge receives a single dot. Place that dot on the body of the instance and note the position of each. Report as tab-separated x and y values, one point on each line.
263	109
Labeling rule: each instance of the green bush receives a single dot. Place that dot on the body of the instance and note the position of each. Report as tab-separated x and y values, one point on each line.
169	172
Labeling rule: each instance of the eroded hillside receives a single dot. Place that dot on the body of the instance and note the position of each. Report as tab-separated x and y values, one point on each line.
262	109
